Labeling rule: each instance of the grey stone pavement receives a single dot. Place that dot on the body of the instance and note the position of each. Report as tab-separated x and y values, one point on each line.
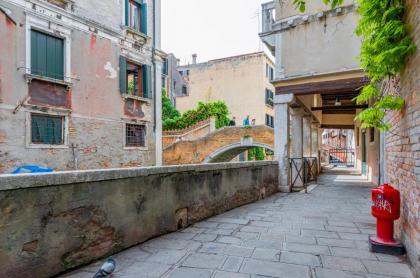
321	234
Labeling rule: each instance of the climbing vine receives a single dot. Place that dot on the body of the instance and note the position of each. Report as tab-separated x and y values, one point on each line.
386	44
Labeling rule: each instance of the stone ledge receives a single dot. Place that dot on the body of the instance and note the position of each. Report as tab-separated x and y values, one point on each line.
12	182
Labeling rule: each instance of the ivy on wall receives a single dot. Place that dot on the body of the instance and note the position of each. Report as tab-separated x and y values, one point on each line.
173	120
386	44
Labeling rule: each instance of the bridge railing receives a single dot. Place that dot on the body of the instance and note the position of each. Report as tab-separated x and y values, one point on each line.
303	170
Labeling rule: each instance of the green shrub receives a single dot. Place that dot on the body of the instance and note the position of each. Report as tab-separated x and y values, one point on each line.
173	120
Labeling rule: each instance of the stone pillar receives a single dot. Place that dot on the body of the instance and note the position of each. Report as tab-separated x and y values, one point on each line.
296	147
281	138
307	136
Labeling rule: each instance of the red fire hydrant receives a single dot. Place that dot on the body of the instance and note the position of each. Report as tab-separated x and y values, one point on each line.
386	209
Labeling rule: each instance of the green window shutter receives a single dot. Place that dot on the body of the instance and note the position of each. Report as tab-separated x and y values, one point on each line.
147	81
143	17
127	13
123	75
34	53
47	55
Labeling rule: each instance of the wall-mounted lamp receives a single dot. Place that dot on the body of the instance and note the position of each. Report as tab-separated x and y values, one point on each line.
337	101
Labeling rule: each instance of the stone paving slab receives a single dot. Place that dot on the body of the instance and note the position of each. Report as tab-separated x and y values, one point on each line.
322	234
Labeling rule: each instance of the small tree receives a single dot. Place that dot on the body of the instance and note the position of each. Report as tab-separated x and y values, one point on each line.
168	110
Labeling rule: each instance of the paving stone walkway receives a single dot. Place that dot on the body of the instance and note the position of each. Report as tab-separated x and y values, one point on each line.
322	234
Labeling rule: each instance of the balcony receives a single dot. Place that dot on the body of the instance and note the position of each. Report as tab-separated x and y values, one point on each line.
268	21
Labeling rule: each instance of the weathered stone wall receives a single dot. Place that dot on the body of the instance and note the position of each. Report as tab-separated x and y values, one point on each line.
402	143
53	222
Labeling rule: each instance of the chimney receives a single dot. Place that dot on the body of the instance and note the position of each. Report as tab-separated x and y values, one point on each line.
178	61
194	59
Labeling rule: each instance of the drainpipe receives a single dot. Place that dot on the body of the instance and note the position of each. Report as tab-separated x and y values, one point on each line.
154	66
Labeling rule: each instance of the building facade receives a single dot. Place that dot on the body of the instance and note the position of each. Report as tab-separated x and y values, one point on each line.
317	78
78	84
173	82
242	82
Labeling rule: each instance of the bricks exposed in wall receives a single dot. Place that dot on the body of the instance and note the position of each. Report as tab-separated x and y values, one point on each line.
402	152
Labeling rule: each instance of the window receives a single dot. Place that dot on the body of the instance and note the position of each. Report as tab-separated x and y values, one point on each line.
135	135
165	67
47	129
269	120
135	80
163	82
136	15
47	55
371	134
184	90
269	95
269	72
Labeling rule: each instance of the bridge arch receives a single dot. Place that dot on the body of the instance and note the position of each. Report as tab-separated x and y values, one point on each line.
219	146
229	152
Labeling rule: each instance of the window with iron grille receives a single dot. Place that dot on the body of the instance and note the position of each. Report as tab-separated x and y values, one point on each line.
47	129
135	135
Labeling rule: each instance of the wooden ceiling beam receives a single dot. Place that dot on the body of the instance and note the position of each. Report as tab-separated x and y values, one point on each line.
338	126
339	107
340	86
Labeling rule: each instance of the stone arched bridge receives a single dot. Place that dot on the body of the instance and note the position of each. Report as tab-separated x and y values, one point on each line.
219	146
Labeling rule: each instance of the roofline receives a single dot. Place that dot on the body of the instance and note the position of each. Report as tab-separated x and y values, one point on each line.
229	58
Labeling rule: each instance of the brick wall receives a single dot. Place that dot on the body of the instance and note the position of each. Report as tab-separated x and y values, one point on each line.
402	143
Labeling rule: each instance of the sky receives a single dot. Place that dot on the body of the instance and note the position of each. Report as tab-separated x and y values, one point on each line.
211	29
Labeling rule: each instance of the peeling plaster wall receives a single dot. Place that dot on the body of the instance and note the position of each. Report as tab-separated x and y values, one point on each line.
286	8
328	44
95	110
85	215
312	45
